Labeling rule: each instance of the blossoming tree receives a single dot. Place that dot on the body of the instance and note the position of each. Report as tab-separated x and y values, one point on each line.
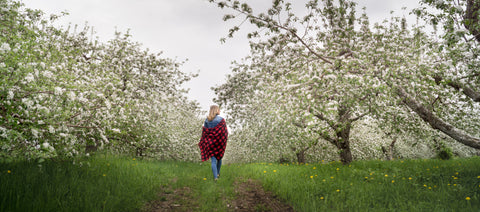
330	68
64	93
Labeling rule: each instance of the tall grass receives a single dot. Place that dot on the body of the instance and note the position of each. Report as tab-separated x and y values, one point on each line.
97	184
112	183
108	183
409	185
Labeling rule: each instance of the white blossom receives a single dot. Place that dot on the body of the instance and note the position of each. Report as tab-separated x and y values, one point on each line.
10	94
5	47
108	104
45	145
29	78
58	91
71	95
28	102
35	133
47	74
51	129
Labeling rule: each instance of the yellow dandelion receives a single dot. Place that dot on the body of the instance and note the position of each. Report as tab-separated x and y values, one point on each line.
401	161
454	184
316	175
331	177
133	158
449	184
456	173
338	169
409	178
104	175
478	177
323	180
204	178
338	190
264	171
366	178
371	173
430	188
274	170
316	168
9	171
322	198
455	178
386	175
424	185
393	181
311	177
468	198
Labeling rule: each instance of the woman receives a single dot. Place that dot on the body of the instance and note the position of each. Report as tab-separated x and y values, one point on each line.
214	140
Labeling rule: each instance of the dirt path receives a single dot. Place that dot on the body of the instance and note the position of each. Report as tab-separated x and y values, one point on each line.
172	200
250	196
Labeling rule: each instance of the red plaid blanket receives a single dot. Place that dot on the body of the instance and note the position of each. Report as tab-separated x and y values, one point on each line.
214	141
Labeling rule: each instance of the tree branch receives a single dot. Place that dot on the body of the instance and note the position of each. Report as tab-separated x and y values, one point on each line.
291	31
468	91
359	116
436	122
324	118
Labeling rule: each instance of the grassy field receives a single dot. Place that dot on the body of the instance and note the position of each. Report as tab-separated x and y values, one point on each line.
112	183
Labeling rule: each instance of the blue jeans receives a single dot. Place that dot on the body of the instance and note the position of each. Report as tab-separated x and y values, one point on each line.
216	164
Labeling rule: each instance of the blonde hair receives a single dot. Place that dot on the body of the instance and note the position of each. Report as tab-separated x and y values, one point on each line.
214	111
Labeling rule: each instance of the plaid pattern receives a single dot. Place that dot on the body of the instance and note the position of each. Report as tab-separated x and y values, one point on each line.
214	141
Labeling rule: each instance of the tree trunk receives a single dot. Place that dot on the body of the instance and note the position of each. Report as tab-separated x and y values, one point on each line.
139	152
471	20
389	152
342	131
301	156
89	148
436	122
343	144
345	152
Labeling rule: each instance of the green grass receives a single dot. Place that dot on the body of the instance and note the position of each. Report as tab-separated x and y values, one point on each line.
112	183
410	185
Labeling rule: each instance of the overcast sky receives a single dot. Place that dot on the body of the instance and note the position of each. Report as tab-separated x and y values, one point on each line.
183	29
